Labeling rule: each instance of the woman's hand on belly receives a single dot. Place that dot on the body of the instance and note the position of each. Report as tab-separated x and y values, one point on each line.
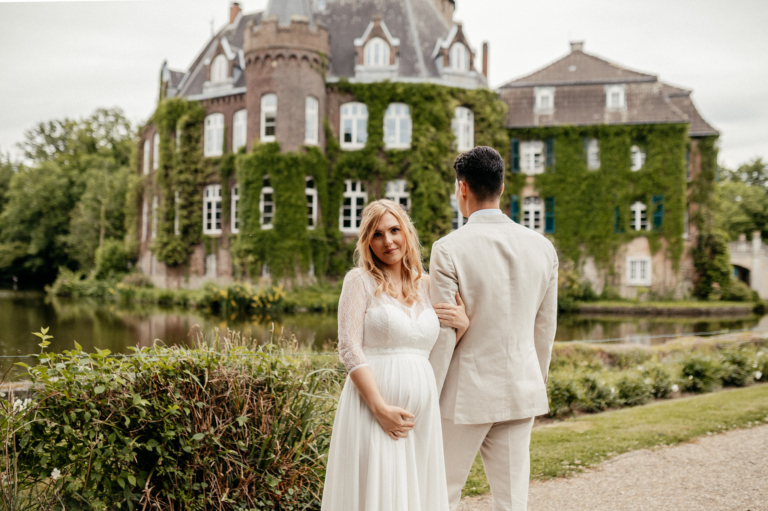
395	421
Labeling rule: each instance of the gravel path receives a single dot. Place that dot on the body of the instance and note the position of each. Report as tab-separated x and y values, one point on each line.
728	471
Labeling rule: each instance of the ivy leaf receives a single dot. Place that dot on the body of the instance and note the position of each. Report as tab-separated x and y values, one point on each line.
99	389
78	347
198	436
132	480
242	420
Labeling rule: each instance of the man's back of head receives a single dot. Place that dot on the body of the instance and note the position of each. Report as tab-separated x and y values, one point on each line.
482	168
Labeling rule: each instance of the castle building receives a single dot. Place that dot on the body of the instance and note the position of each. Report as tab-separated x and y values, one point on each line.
297	76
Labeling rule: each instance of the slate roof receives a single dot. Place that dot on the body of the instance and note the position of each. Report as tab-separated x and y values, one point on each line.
285	9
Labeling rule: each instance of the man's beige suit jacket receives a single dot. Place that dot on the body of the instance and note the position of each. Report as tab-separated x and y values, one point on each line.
507	277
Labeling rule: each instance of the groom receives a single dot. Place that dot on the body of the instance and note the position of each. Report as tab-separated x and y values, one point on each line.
493	383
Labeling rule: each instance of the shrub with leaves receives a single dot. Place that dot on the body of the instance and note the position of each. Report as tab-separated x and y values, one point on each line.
700	373
596	394
736	368
659	378
634	389
563	394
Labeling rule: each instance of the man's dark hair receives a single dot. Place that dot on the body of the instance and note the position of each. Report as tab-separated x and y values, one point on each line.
482	168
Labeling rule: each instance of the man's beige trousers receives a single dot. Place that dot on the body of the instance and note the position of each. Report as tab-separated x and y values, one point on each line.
505	449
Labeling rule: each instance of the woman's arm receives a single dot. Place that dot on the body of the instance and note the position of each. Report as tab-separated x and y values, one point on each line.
454	316
395	421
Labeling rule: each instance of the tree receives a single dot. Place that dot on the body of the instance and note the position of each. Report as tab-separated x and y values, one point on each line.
743	200
751	173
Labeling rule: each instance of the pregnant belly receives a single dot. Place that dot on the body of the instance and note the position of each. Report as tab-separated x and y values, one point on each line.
405	380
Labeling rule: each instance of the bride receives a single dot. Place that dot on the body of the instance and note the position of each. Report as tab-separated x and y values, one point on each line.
386	449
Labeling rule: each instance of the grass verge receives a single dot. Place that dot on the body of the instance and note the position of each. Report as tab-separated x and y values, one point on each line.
570	446
664	305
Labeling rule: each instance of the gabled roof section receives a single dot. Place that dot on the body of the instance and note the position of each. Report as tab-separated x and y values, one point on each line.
579	68
681	99
286	10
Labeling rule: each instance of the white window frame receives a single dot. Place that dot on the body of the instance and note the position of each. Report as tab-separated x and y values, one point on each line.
155	207
234	210
145	219
463	126
354	121
219	69
214	135
212	208
377	53
638	158
532	157
458	220
593	154
544	100
312	201
268	118
686	224
533	213
147	154
267	199
239	129
311	120
639	271
639	217
397	191
398	126
354	191
176	210
459	57
156	151
615	97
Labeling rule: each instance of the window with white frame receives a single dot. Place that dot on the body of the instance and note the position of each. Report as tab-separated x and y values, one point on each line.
310	190
145	219
639	271
267	204
463	125
615	97
212	209
176	210
268	117
234	210
639	217
686	221
533	213
311	120
638	158
354	125
154	216
544	99
147	155
458	219
397	191
156	151
458	58
239	129
532	157
397	126
377	53
214	135
593	154
178	140
219	69
355	198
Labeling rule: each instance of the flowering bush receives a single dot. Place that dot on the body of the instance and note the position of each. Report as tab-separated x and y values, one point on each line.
736	368
634	389
701	373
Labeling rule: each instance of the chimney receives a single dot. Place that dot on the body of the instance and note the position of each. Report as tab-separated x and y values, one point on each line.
577	46
485	59
234	10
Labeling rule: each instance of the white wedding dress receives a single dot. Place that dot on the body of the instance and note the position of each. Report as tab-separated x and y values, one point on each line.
368	470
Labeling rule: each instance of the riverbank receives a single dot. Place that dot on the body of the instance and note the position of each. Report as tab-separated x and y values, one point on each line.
682	308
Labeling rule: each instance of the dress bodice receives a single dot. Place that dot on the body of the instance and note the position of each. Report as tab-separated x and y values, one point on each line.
376	325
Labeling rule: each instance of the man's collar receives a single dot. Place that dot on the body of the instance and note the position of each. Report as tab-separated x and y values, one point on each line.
481	212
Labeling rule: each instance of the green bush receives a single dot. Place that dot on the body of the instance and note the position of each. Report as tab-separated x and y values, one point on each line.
659	378
700	373
112	260
633	389
736	368
74	284
562	393
596	395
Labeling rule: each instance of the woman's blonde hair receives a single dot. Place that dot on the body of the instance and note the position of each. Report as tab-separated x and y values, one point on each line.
413	269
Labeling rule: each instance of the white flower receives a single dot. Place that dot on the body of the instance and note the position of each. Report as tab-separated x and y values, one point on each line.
758	375
20	406
613	390
675	388
648	381
690	377
55	474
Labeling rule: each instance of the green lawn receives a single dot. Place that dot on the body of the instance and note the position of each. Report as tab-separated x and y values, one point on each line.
564	448
671	304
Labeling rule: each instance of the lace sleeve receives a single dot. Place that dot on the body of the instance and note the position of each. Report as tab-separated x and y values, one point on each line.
352	305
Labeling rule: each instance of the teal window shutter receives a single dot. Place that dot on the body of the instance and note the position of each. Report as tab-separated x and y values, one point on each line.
688	164
617	227
658	212
549	215
550	158
514	209
515	149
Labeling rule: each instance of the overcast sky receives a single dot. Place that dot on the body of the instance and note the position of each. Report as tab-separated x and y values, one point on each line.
65	59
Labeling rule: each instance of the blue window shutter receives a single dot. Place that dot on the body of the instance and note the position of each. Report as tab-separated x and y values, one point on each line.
515	149
514	209
617	227
658	212
549	215
550	159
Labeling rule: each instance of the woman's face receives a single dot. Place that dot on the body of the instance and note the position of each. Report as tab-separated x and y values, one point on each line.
388	240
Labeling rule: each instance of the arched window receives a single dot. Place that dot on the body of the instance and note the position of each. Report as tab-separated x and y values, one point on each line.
459	57
234	210
268	117
397	126
397	191
219	69
377	53
156	151
239	129
355	198
533	213
463	125
212	209
144	219
147	155
638	158
639	216
310	190
267	204
354	125
214	135
311	120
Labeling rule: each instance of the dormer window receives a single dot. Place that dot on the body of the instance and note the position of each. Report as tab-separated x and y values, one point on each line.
377	53
219	69
459	57
615	97
545	99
